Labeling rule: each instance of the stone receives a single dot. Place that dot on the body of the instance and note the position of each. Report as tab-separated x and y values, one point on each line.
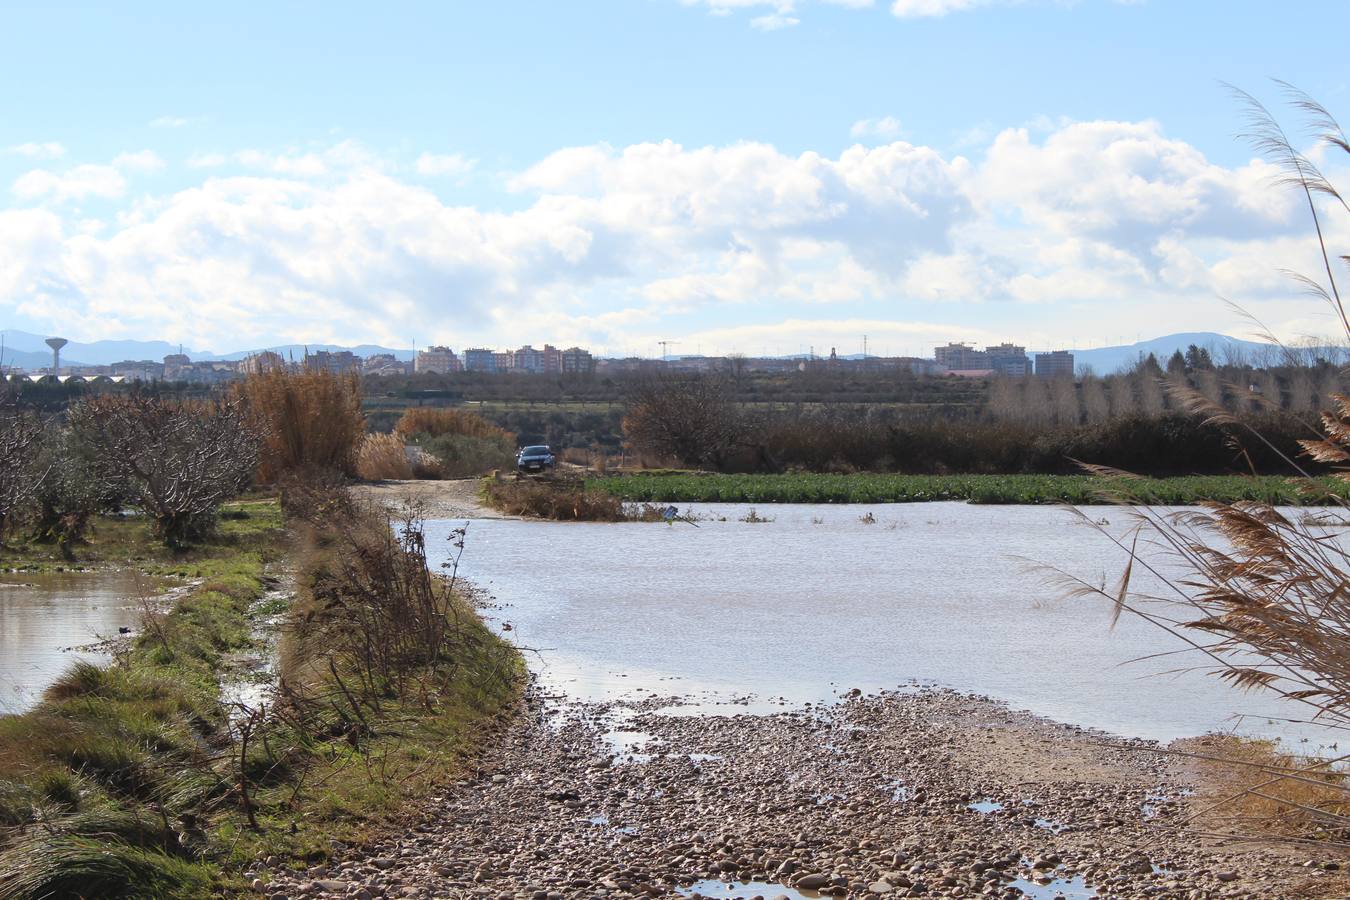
813	882
880	887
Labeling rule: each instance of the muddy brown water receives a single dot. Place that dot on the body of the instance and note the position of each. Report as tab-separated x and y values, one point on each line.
50	620
817	601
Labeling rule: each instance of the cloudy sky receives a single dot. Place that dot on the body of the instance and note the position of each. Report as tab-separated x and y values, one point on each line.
729	174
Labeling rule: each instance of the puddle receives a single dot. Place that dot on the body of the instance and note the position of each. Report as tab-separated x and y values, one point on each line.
48	620
1052	826
629	746
1058	889
985	807
899	792
745	890
599	820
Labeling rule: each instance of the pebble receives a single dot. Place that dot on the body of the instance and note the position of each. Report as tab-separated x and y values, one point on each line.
809	799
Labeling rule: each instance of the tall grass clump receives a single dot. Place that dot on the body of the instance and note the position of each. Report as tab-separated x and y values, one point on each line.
461	442
566	501
311	422
383	457
1262	598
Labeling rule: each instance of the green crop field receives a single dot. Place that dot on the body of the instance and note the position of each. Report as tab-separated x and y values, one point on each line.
669	487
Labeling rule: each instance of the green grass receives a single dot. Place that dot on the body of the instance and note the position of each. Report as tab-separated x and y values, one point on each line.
673	487
112	755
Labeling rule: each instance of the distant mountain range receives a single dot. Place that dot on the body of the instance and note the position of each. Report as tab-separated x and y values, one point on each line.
1105	360
29	352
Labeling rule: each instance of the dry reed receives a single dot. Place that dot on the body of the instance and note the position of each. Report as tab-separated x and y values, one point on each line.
1262	598
310	420
383	457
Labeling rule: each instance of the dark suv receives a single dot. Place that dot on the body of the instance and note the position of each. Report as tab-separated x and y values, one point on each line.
535	459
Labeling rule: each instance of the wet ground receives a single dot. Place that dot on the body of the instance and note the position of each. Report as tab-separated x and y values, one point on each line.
619	801
48	620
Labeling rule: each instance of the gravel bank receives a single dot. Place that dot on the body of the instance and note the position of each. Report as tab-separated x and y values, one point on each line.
925	794
451	499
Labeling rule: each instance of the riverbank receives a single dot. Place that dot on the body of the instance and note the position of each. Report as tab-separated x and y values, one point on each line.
1082	490
905	794
167	773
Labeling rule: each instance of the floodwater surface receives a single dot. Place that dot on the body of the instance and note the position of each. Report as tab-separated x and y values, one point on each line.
817	601
49	620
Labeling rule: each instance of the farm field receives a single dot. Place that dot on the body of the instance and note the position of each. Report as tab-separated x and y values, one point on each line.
673	487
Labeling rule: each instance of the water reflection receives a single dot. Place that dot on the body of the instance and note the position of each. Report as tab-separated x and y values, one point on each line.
818	601
49	620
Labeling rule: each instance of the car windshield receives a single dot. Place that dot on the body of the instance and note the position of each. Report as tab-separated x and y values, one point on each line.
534	451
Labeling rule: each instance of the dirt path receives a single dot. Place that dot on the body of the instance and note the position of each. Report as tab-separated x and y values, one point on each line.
928	794
450	499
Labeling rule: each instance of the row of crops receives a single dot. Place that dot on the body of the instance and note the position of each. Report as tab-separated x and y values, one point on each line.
667	487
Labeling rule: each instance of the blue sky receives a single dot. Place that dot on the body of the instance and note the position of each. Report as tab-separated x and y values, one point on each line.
736	175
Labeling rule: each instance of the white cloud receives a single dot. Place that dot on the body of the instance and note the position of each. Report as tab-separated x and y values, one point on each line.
1101	219
774	22
140	161
47	150
74	184
884	127
175	121
453	165
909	9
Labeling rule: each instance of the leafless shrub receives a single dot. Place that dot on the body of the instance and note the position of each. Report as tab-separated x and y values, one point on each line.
691	418
179	461
20	476
375	617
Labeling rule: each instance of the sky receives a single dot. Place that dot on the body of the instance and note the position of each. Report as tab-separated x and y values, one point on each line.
727	175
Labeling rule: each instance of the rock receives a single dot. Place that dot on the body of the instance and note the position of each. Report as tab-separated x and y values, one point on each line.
499	779
1226	876
259	885
812	882
880	887
331	885
1136	864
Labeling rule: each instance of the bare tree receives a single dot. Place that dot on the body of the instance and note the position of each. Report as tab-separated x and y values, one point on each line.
20	477
691	418
179	461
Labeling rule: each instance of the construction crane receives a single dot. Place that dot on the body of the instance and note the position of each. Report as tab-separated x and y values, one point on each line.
665	348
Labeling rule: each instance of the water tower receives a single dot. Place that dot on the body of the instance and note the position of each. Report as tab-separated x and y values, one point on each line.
56	344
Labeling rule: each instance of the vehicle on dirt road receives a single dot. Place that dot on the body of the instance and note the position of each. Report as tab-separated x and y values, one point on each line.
538	458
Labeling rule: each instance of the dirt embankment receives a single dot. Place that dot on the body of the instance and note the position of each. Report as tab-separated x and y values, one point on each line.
450	499
929	794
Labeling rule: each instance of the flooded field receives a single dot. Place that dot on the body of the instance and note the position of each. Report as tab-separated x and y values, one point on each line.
49	620
813	601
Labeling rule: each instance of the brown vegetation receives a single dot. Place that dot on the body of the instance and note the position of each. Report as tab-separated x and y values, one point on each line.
563	500
178	460
437	421
383	457
1262	597
310	420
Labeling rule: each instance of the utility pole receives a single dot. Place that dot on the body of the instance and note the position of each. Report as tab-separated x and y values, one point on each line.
665	349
